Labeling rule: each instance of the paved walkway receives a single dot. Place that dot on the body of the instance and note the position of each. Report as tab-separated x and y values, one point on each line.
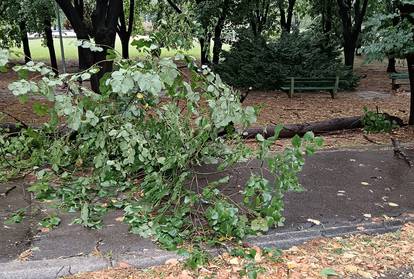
341	187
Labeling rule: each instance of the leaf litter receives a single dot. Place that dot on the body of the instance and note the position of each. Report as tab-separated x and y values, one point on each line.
340	257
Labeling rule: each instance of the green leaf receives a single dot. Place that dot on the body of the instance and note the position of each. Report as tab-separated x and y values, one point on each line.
260	138
40	109
296	141
326	272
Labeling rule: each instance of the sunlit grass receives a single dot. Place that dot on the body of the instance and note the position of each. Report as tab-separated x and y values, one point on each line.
40	52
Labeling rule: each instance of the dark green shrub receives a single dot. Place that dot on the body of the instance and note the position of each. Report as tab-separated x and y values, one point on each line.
253	62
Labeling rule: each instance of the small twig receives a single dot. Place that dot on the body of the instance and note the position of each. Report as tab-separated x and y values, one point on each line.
8	191
370	140
15	118
400	154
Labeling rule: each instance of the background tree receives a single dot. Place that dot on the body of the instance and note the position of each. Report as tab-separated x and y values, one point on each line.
286	9
13	29
100	25
126	25
385	39
352	14
39	15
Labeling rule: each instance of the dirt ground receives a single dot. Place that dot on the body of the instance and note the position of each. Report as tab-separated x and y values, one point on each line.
374	91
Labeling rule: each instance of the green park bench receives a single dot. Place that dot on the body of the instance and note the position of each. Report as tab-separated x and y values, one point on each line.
395	77
329	84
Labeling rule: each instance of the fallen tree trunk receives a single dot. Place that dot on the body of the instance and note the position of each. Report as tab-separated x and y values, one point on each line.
289	130
320	127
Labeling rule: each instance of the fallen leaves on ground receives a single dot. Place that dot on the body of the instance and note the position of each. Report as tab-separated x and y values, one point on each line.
359	256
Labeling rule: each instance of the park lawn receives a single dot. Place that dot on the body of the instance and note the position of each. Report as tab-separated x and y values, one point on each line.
40	52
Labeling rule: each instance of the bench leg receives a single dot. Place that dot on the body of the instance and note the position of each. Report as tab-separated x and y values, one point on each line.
333	93
394	85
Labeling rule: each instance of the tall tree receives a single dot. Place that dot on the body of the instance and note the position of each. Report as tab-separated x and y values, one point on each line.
126	26
100	25
218	29
407	13
39	15
13	27
385	39
286	14
352	14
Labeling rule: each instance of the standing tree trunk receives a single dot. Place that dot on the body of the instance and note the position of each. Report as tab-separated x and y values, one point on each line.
124	31
104	21
327	17
286	17
258	17
406	11
25	42
218	44
410	64
351	12
205	49
50	45
391	65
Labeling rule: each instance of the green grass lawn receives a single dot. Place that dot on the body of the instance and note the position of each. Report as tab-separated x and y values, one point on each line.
40	52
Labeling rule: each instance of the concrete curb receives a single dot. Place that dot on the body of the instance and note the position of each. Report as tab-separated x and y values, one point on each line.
54	268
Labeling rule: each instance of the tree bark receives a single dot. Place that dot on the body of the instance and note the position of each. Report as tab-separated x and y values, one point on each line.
410	65
327	18
124	31
351	31
286	17
321	127
391	65
50	45
406	11
25	42
218	44
205	49
104	21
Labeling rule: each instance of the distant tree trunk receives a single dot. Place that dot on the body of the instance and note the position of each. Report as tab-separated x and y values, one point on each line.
391	65
351	12
410	64
205	49
286	17
104	21
327	17
218	44
124	31
349	51
258	17
50	45
25	42
406	11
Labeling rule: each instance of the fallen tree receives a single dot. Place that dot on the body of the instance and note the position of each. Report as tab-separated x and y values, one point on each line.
289	130
320	127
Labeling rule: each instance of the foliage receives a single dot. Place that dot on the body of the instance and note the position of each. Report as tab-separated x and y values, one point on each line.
16	217
50	222
252	62
384	39
135	147
376	122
